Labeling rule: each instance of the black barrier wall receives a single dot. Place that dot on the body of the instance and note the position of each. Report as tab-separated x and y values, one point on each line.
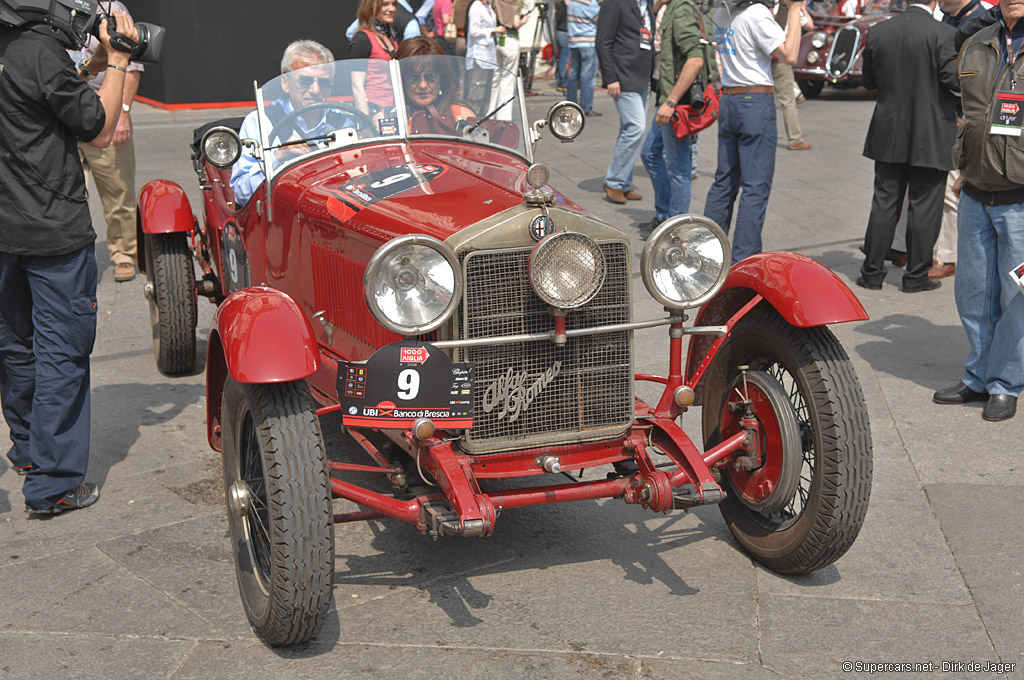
215	49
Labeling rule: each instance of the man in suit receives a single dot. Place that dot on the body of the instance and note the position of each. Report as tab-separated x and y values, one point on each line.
625	51
910	60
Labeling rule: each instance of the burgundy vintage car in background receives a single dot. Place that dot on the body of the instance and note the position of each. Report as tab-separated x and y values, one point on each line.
413	274
830	53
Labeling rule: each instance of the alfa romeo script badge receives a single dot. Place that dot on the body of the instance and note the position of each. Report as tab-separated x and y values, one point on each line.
511	394
541	226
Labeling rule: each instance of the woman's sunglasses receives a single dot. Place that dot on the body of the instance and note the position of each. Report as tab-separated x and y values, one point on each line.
413	78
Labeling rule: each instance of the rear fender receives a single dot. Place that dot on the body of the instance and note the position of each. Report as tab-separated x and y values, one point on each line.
163	209
805	292
259	335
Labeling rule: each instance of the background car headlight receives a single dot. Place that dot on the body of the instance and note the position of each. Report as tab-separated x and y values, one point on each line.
221	146
818	40
566	120
412	284
812	57
566	269
685	261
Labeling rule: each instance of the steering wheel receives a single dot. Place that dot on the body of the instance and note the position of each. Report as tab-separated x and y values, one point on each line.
287	124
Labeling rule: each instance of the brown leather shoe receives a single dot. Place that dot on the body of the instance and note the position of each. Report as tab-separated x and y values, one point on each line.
800	146
941	270
124	271
633	195
614	195
897	257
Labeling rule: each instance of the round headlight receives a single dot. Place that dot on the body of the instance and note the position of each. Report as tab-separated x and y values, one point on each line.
566	269
685	261
221	146
812	57
818	40
566	120
412	284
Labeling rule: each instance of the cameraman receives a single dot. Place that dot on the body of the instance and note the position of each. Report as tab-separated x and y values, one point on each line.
47	259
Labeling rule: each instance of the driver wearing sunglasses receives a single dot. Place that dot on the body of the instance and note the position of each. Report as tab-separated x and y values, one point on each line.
308	79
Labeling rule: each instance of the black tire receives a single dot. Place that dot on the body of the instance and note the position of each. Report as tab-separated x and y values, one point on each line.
826	513
811	88
172	302
283	537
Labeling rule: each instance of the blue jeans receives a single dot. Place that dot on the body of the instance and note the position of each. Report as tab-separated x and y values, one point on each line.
582	68
667	161
562	49
632	108
990	243
47	330
746	159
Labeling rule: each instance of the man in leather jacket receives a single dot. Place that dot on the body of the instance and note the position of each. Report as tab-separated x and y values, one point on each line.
990	155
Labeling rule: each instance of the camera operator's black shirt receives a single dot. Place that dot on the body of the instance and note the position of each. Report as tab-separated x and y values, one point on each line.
45	108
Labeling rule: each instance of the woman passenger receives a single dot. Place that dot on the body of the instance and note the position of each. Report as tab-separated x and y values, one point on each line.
430	87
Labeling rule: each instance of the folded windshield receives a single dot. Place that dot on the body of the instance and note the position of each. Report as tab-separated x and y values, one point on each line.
327	106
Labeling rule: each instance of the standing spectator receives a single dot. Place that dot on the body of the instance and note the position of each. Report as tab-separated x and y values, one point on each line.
47	253
562	44
747	38
375	40
990	241
444	25
910	60
625	50
667	158
481	57
511	15
956	14
582	19
785	87
404	24
113	169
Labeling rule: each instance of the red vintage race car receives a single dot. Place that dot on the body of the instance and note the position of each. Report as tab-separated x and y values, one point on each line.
831	52
412	270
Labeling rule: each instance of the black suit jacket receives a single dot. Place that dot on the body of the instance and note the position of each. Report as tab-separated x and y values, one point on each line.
618	45
911	61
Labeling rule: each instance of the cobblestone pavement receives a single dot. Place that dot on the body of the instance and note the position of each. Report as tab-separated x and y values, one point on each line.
142	584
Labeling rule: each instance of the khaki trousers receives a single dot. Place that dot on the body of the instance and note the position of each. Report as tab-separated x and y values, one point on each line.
782	74
113	173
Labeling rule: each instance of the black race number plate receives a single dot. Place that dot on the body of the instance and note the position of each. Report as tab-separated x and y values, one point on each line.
403	382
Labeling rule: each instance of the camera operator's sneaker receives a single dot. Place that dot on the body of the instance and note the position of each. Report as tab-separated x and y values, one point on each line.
82	496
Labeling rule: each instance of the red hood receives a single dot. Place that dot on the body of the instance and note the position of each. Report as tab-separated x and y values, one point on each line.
434	188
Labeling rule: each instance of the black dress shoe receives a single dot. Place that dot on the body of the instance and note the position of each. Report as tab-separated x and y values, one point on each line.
870	285
999	407
958	394
926	285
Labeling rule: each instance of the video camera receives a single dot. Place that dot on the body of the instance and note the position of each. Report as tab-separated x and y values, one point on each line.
73	21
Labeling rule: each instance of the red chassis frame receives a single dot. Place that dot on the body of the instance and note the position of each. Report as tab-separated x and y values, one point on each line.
474	511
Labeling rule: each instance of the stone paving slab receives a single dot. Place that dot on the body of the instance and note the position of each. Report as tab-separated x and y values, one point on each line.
38	654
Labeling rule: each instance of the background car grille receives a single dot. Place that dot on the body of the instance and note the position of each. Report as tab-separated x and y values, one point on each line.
843	50
593	394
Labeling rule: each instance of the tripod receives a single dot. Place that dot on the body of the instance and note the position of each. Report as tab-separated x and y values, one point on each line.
541	30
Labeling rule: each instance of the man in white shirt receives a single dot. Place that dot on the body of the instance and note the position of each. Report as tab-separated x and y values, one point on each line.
748	36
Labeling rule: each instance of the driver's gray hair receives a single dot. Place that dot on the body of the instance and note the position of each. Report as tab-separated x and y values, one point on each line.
305	50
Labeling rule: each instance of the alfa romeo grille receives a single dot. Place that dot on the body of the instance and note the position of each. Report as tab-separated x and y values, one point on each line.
844	49
538	393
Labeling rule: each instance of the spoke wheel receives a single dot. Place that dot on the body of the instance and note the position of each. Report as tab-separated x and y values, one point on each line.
823	516
171	289
279	508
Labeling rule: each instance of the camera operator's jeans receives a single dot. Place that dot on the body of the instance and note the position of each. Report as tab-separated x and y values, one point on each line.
47	331
747	136
582	68
667	161
990	243
632	108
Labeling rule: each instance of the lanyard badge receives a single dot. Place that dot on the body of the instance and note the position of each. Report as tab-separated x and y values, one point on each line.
1008	108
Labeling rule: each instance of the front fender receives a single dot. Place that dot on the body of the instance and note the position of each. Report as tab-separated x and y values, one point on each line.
805	292
163	209
259	335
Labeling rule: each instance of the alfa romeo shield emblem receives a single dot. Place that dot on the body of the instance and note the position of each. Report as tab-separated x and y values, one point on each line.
541	226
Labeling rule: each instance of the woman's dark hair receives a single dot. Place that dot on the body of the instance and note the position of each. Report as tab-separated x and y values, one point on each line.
431	58
368	12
